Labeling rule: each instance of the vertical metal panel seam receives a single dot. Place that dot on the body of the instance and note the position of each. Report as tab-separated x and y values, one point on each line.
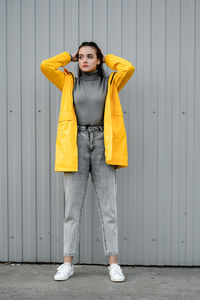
78	33
20	20
185	219
92	229
193	259
49	174
179	115
64	25
171	126
64	31
186	186
150	80
157	136
150	91
107	26
35	140
121	38
121	27
157	158
142	165
7	128
136	37
79	247
142	177
35	145
172	132
92	19
136	94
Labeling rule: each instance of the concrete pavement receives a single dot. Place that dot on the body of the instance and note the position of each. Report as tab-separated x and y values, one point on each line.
91	282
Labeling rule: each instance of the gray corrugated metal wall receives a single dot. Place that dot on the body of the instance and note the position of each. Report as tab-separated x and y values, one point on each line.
158	194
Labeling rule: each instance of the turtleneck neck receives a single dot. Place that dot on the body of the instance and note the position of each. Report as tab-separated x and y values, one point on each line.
90	75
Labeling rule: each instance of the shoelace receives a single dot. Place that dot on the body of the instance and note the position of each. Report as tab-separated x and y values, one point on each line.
115	267
61	267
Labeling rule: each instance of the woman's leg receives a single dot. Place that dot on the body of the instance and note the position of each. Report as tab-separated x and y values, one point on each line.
75	184
104	179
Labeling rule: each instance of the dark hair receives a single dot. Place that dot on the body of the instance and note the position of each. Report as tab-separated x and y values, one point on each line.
100	68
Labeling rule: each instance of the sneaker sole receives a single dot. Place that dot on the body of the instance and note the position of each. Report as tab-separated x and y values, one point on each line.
117	280
114	280
70	274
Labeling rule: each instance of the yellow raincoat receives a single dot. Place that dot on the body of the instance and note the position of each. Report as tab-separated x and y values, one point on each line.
115	140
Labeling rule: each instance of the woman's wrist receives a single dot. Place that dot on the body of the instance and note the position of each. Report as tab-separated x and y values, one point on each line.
103	58
74	57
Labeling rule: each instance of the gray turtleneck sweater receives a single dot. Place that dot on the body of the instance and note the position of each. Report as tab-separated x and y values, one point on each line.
89	96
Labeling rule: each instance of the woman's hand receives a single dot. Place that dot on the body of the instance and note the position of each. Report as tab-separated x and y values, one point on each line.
103	59
75	56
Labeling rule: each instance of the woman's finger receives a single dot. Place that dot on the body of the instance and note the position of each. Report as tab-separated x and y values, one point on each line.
75	56
103	55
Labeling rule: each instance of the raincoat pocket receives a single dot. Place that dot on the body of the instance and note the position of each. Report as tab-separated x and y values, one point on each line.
64	119
65	116
118	126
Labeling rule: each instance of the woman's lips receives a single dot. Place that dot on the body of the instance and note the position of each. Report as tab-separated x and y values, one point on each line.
85	66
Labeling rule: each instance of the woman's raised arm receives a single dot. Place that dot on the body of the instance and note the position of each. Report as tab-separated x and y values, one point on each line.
49	68
123	67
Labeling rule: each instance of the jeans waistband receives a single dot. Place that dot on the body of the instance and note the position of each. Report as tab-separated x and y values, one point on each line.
91	127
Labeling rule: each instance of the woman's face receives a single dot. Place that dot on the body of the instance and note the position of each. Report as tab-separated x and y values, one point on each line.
87	59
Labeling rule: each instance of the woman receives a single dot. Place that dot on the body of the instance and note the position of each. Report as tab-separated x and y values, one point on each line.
91	137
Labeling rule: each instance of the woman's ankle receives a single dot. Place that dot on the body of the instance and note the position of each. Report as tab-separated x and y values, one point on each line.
68	259
113	259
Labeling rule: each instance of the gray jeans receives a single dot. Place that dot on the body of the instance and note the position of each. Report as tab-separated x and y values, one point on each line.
91	158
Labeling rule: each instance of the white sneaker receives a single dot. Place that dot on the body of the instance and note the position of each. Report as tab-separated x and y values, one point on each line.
64	271
115	273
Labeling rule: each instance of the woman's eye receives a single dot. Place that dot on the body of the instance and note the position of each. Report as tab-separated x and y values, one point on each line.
89	56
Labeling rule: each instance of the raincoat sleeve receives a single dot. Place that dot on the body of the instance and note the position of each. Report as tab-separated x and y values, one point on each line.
123	67
49	68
